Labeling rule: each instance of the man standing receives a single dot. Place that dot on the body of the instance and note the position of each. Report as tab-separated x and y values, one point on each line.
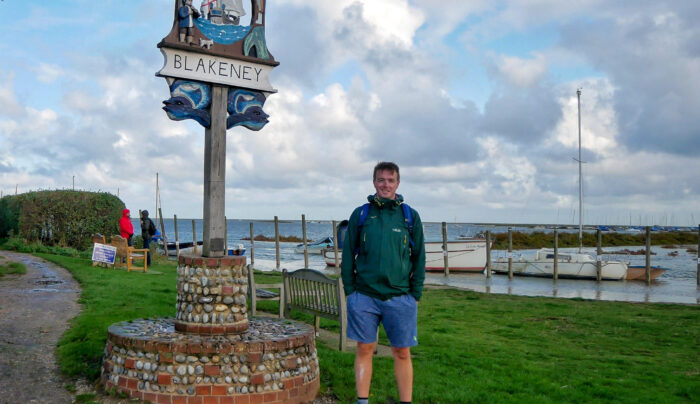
383	269
148	229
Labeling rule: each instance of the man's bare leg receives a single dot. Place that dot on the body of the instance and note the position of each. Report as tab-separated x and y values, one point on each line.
403	369
363	368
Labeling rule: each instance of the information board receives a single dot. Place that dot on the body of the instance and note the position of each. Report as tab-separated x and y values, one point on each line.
104	253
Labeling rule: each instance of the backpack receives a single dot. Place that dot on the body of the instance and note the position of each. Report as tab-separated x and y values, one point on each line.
151	227
407	217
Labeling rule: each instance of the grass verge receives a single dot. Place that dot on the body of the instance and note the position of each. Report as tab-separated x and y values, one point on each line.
473	347
16	268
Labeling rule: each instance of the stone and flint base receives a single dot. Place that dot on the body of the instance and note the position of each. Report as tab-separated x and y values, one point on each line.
212	352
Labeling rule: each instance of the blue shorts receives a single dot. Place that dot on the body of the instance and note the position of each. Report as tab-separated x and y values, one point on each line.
398	314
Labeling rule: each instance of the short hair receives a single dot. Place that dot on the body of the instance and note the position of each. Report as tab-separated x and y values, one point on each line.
386	165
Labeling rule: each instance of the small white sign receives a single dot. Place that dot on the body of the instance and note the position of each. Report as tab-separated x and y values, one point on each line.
599	258
215	69
104	253
509	255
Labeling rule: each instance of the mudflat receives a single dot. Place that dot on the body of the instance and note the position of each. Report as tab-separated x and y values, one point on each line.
34	312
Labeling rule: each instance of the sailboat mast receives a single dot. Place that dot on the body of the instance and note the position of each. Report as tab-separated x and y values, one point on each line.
580	177
157	199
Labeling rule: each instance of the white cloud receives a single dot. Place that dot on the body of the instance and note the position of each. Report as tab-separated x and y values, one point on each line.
522	72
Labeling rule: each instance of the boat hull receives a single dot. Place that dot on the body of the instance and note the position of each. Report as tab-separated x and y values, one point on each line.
638	273
462	256
611	270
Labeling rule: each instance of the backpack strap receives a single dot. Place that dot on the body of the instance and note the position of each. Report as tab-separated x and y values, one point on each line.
408	219
364	212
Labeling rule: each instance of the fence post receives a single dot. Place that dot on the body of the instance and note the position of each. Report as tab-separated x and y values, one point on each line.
335	244
510	253
194	236
648	256
252	246
162	231
444	249
277	242
488	253
177	239
225	236
555	276
599	257
306	245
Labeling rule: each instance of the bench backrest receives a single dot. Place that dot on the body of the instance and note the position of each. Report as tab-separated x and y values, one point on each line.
312	292
121	244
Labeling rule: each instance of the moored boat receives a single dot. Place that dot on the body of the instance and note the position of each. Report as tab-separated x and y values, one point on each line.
638	273
315	247
466	255
570	265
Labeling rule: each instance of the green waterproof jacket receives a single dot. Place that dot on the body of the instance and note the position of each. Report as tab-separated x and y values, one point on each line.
385	265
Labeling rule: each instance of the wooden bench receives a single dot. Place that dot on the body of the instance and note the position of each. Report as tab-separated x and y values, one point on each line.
314	293
258	291
128	253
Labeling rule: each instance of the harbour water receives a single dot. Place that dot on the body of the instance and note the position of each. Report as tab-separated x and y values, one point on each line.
676	285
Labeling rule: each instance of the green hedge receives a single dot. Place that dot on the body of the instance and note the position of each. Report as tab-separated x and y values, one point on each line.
63	218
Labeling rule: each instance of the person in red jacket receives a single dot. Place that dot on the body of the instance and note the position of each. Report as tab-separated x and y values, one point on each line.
126	229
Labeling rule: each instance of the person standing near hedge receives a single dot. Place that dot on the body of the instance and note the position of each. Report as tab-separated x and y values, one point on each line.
126	229
148	229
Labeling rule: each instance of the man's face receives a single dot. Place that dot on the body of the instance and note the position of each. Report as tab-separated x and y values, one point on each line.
386	182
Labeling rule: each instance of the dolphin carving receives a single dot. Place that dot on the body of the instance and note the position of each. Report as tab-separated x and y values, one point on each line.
189	100
245	108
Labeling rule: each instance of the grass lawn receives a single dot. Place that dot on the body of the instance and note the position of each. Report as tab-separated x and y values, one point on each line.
16	268
473	347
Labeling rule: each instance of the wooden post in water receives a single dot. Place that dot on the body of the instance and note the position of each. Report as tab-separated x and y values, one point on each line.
306	244
162	231
225	236
444	249
252	245
599	256
555	276
488	253
335	243
177	239
510	253
277	243
648	256
195	248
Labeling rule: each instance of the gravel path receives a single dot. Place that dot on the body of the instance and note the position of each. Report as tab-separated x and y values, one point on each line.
34	312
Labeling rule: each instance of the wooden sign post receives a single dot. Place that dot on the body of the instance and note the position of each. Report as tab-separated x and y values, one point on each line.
218	74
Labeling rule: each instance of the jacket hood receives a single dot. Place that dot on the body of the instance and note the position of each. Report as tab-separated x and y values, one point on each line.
144	214
381	202
125	212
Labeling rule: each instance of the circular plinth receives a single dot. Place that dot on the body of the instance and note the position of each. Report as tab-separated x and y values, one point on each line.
274	361
211	295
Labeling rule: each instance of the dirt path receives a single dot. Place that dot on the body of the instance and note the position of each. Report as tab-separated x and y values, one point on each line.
34	312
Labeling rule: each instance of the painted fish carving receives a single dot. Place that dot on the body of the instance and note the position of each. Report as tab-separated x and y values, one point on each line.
245	108
189	100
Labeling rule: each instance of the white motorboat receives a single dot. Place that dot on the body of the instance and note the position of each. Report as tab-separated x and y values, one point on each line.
570	265
329	256
465	255
315	247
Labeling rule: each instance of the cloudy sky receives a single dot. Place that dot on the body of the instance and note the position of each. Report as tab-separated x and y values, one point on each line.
474	99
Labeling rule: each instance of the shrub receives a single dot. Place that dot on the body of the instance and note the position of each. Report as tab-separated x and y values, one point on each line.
59	218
